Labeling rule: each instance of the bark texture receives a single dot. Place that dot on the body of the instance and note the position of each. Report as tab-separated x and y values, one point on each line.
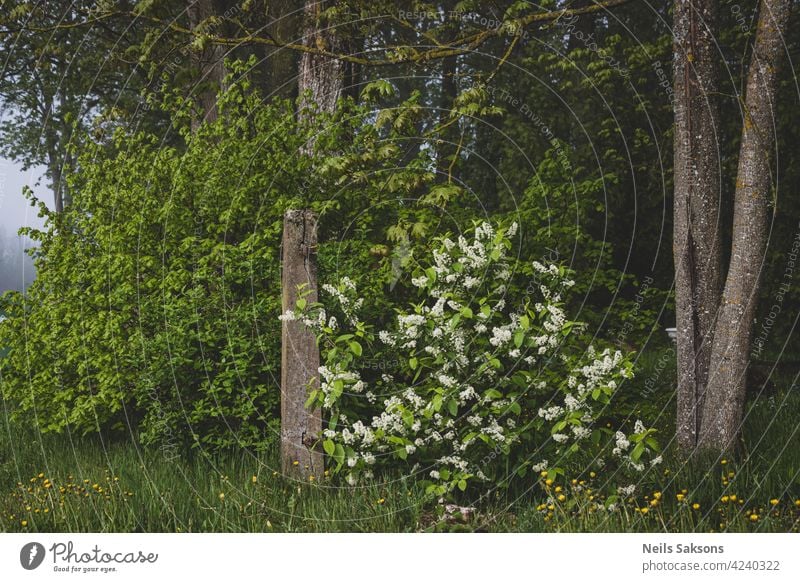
300	427
724	403
208	62
321	77
696	234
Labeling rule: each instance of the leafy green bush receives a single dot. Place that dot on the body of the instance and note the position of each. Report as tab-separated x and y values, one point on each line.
158	287
484	383
153	307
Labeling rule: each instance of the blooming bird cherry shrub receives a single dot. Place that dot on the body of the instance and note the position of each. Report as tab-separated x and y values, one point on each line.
481	387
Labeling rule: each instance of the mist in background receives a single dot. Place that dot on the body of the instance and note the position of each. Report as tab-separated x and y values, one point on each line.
16	266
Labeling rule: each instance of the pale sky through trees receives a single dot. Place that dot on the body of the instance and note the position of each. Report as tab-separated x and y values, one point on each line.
15	210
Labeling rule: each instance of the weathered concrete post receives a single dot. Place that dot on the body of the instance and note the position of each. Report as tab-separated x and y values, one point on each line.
301	455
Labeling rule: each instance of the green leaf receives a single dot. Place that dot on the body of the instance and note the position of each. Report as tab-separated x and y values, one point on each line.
355	347
637	452
312	397
462	484
430	273
338	454
519	337
412	363
452	407
337	389
329	446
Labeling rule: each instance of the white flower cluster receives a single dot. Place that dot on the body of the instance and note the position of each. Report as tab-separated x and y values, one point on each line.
455	408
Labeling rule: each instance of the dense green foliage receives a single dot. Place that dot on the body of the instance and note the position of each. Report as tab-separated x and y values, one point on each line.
154	316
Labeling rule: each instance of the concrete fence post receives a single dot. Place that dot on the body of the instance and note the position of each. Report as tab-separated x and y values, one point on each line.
301	454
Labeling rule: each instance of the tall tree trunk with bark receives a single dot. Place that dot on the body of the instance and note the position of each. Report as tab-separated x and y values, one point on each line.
321	78
208	62
696	234
724	403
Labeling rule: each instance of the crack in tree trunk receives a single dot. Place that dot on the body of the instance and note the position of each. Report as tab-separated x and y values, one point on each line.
724	403
696	235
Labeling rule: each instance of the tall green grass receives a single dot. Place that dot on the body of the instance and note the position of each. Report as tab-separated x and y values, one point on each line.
77	484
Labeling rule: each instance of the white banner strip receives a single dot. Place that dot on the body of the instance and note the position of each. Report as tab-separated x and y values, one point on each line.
402	557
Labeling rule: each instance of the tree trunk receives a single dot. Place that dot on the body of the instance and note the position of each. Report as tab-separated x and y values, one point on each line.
55	174
208	63
724	403
696	234
321	78
446	148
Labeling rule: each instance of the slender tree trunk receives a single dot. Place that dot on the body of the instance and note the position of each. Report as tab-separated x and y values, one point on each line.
724	404
696	235
58	186
321	78
208	63
445	149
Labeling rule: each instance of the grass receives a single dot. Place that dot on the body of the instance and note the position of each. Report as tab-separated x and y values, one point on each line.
58	483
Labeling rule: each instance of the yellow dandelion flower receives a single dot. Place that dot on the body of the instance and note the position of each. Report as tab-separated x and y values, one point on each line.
733	497
548	482
753	517
311	478
222	497
723	462
558	489
592	474
543	474
695	506
657	495
724	499
645	510
24	523
562	497
654	503
41	475
295	463
773	502
680	497
254	479
381	501
797	503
